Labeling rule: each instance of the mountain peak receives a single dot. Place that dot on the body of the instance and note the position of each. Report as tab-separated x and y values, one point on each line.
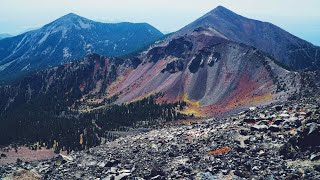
71	16
220	10
238	28
70	20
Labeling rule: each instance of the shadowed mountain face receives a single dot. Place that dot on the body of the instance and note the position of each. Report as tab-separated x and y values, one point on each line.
69	38
283	46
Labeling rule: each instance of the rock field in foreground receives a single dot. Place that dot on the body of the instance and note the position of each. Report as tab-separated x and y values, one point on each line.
274	142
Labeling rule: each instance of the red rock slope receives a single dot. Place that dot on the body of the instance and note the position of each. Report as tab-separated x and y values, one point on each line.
213	74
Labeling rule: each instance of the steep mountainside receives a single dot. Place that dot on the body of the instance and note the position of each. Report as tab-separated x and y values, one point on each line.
283	46
211	73
67	83
69	38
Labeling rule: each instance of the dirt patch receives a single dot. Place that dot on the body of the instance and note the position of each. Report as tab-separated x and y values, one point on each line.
25	154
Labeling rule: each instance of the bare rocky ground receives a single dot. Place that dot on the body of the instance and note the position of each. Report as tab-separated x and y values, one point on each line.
25	154
280	141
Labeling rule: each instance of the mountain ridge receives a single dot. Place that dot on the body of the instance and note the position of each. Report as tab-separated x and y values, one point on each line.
286	48
174	68
5	35
69	38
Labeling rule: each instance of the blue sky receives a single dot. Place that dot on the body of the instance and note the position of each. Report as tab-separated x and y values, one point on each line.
301	18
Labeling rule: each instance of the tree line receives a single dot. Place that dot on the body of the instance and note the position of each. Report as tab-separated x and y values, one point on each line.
46	122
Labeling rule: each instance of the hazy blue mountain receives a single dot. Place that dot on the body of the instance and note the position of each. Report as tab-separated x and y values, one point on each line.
69	38
2	36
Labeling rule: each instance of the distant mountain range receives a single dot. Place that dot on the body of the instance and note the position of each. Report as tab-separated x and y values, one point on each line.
222	63
2	36
283	46
211	72
70	38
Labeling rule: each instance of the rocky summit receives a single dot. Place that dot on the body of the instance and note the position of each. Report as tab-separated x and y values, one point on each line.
286	48
278	141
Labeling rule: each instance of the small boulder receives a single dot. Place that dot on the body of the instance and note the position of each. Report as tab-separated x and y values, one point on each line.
65	157
101	164
284	115
278	108
3	155
278	121
242	140
244	132
303	114
288	151
250	120
112	163
242	172
317	167
223	150
156	172
259	127
113	170
313	127
308	114
157	177
122	176
274	128
19	161
315	157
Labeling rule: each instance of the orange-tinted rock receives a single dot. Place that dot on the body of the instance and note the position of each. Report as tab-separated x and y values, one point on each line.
222	150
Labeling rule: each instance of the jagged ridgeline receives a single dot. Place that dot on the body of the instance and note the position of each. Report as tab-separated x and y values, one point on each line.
39	122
